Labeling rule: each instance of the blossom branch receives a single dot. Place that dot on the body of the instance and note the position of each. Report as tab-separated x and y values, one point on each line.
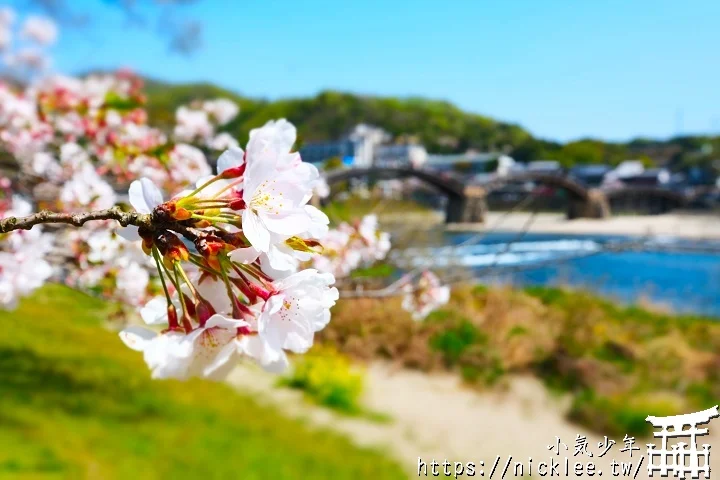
76	219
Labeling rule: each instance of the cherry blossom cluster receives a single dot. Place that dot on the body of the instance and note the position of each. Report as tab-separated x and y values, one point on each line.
227	253
102	115
198	122
23	266
425	295
351	246
77	141
107	265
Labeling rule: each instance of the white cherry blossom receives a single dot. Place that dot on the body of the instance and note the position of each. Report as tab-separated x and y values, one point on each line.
276	188
299	307
426	296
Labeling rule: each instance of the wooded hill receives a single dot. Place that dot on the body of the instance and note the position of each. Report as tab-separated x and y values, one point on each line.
440	126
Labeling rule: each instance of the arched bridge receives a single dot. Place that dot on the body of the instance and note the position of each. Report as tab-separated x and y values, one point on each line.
447	186
467	203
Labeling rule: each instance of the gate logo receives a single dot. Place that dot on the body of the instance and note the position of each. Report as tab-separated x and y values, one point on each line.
684	457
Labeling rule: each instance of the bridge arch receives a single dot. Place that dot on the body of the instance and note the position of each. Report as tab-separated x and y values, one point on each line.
582	202
575	189
448	186
465	204
468	203
654	199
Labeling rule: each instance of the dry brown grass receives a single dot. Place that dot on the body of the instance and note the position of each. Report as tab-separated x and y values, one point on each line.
621	363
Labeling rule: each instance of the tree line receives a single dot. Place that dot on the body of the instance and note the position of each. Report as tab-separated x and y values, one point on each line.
439	125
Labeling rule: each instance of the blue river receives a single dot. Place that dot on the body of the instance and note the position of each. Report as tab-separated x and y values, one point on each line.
680	275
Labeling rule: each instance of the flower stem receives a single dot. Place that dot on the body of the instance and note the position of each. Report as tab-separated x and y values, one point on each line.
156	256
203	186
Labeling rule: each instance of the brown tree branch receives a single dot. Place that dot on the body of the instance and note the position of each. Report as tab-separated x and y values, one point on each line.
76	219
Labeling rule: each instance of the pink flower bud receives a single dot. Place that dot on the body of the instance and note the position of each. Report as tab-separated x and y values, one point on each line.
259	291
234	172
172	317
204	311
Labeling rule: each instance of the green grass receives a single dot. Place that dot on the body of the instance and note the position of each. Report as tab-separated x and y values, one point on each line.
379	270
328	379
355	208
76	403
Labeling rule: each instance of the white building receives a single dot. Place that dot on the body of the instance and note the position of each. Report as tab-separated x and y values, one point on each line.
506	165
545	166
625	170
400	155
474	164
366	139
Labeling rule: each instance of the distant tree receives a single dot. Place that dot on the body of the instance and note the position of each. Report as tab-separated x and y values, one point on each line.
646	161
462	166
582	152
332	163
491	166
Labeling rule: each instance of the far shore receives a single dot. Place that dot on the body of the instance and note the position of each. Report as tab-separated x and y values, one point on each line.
689	225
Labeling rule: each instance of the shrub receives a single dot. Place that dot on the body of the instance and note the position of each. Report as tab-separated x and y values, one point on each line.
328	378
619	363
454	341
622	414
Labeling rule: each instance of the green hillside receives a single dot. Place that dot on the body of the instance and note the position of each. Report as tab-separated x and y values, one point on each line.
76	403
440	126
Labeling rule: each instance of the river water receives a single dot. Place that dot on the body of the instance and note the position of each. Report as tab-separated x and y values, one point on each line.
686	281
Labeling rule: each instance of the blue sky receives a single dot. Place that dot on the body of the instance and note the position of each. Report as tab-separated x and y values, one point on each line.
563	69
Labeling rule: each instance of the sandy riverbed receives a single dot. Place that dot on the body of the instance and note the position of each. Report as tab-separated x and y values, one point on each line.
686	225
436	417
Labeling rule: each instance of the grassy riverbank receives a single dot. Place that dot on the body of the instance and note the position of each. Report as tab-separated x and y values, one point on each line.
76	403
619	364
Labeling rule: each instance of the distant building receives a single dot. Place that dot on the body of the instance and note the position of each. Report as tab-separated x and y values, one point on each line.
400	155
471	164
590	175
367	145
356	149
366	138
317	153
551	167
655	177
625	170
700	176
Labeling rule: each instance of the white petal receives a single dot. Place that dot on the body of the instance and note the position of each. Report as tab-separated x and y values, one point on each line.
144	195
286	223
213	291
255	231
155	311
318	222
280	133
282	258
224	322
221	359
232	157
244	255
278	365
137	337
270	359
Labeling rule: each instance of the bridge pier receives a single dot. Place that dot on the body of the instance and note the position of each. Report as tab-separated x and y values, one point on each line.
471	207
596	205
